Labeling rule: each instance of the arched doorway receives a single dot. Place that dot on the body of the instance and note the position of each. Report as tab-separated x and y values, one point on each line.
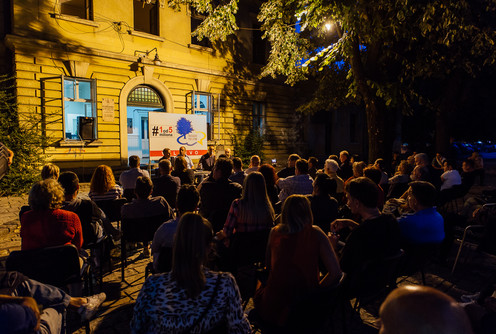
141	100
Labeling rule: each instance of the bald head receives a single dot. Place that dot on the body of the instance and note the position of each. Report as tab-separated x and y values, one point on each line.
422	310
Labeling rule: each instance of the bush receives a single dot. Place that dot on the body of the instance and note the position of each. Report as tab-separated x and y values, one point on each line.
247	146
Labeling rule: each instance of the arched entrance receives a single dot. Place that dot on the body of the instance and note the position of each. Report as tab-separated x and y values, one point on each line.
141	100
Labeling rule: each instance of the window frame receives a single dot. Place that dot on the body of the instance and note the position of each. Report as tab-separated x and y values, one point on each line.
213	105
157	18
92	100
195	16
88	11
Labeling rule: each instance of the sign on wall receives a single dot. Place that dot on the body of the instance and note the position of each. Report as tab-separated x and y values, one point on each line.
172	131
108	110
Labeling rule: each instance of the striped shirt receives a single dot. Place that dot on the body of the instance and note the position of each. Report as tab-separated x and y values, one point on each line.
114	193
235	224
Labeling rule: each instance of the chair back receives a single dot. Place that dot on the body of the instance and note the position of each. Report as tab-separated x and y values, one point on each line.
165	260
58	266
112	208
374	276
141	229
417	256
396	190
249	247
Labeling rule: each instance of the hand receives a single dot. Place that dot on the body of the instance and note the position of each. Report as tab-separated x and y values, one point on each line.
339	224
333	239
30	303
220	235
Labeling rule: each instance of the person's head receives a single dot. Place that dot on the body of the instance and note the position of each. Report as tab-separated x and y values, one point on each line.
134	161
411	160
46	195
417	309
312	162
187	199
255	161
301	167
334	157
166	153
70	183
254	188
404	168
421	195
358	167
237	164
421	159
296	213
468	165
292	160
419	173
380	164
164	167
269	173
331	166
182	151
222	169
102	180
180	164
50	171
324	185
361	192
449	164
344	156
227	152
144	187
373	173
190	252
211	150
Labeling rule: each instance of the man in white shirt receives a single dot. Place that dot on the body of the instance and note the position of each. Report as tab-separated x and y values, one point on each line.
182	152
128	178
450	177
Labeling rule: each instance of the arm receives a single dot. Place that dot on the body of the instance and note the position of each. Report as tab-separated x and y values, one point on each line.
339	224
329	258
232	219
77	240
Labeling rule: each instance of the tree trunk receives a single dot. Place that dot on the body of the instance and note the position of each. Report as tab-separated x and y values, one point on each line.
446	112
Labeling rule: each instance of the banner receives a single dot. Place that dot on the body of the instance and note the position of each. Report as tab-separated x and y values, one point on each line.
172	131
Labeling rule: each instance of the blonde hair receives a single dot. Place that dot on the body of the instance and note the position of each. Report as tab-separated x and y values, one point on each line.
296	213
46	195
102	180
50	171
254	206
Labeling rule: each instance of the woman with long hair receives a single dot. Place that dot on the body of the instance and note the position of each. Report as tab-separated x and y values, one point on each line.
103	186
294	251
187	176
190	298
253	211
322	201
270	176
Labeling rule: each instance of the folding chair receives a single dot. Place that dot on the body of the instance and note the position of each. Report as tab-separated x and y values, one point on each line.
112	209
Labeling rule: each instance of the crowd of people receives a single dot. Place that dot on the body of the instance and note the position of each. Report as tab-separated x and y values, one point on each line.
313	228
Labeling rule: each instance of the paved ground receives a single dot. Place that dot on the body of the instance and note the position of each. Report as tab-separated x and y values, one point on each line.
116	312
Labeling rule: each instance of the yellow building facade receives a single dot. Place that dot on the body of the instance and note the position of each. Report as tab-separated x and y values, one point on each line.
88	72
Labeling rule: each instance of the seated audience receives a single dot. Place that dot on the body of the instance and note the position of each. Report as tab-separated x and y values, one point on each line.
254	164
438	162
375	237
398	183
50	171
451	177
290	169
468	174
345	167
478	166
312	166
103	186
46	225
166	185
422	309
358	167
128	177
330	168
294	251
198	300
181	170
187	201
380	164
20	313
431	174
375	175
300	183
324	206
270	177
238	175
216	195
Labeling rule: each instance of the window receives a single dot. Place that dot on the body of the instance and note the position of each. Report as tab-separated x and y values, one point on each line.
258	115
146	16
259	46
79	103
196	20
202	103
79	8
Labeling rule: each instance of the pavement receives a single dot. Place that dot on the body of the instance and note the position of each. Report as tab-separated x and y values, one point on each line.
116	312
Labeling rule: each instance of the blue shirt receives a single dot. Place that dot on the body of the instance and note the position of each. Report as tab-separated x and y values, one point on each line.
424	226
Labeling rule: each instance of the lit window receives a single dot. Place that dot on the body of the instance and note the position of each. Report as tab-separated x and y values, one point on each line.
258	115
196	20
79	8
79	109
146	16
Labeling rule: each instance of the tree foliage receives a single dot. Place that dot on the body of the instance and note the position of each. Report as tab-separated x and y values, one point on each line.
388	49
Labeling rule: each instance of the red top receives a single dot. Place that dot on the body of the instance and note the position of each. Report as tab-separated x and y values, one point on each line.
49	228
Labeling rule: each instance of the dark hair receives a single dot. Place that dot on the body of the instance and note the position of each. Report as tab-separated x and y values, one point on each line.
269	173
180	164
325	184
364	190
225	167
222	156
193	235
237	163
143	187
424	192
165	165
294	157
302	166
187	198
313	160
334	157
451	163
70	182
381	163
134	161
373	173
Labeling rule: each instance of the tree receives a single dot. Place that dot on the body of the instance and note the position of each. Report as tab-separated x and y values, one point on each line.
388	48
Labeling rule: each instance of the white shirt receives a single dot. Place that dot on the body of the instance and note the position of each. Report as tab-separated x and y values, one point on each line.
450	178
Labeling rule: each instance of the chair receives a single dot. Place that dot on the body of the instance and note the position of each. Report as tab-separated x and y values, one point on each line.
416	258
373	278
112	209
482	234
138	230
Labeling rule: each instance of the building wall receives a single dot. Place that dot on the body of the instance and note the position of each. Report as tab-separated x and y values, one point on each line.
47	45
